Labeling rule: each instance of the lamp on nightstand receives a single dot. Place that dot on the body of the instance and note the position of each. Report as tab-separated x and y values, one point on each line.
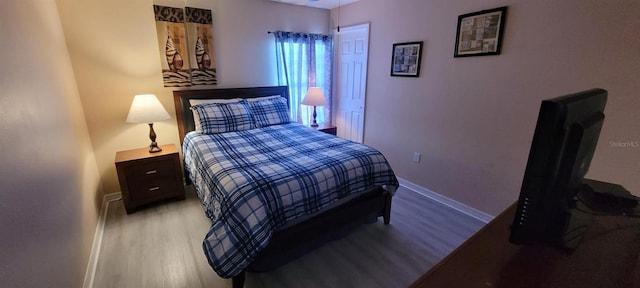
314	98
147	108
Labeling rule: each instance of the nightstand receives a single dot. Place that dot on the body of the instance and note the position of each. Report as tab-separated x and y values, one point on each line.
149	177
326	128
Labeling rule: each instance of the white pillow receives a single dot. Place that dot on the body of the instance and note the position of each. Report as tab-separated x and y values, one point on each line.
262	98
193	102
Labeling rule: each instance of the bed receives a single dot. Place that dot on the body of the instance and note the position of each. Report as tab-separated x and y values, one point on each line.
263	216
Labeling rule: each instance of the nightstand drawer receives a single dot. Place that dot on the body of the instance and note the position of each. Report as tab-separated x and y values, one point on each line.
153	188
157	169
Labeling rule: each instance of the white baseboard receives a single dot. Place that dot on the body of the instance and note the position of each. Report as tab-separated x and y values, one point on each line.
90	274
475	213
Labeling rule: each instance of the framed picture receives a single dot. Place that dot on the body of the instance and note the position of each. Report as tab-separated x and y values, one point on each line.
480	33
406	59
172	45
199	24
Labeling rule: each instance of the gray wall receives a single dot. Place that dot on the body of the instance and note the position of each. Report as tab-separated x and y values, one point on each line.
50	188
473	118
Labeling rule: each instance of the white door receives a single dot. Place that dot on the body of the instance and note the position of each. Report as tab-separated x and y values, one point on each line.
352	51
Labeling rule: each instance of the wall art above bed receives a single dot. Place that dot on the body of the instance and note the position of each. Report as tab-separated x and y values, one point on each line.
185	42
200	39
172	42
480	33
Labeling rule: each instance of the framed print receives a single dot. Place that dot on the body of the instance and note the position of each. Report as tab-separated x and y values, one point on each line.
406	59
172	43
480	33
199	24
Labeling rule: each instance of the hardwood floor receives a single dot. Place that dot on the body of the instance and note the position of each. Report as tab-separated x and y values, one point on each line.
161	246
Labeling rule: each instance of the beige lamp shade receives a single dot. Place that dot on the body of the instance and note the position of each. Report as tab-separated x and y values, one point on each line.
146	108
314	97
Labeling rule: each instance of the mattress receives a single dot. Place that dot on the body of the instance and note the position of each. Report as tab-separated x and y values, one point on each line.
254	182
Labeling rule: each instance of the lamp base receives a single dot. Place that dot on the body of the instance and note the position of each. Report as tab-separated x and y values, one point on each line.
314	124
153	148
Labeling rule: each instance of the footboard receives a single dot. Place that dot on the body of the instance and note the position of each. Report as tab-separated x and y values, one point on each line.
295	241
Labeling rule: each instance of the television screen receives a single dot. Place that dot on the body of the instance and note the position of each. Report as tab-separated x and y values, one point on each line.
564	141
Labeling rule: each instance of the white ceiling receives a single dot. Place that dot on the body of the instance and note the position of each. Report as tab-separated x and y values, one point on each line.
325	4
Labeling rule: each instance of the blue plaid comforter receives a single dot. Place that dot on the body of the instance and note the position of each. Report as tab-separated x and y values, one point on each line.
254	181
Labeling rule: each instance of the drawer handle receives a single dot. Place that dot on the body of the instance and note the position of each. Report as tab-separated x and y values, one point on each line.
152	172
154	188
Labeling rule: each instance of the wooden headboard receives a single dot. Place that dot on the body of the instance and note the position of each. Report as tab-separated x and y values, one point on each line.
185	116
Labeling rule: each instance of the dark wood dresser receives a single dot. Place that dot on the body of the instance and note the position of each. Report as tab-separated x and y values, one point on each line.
607	257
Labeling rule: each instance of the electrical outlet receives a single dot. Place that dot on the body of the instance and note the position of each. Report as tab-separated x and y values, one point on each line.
416	157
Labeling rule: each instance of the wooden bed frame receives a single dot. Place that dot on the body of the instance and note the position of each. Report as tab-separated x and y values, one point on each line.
293	241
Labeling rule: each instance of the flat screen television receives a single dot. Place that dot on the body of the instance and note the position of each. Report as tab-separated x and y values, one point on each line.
556	203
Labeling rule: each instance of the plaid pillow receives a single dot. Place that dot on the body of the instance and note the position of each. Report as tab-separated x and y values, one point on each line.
223	117
194	102
271	111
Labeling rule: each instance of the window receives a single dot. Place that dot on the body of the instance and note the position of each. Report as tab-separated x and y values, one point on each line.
303	61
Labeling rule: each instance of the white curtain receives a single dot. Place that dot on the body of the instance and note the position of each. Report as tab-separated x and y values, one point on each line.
304	60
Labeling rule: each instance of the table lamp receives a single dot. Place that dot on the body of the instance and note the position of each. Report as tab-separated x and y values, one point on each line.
314	98
147	108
